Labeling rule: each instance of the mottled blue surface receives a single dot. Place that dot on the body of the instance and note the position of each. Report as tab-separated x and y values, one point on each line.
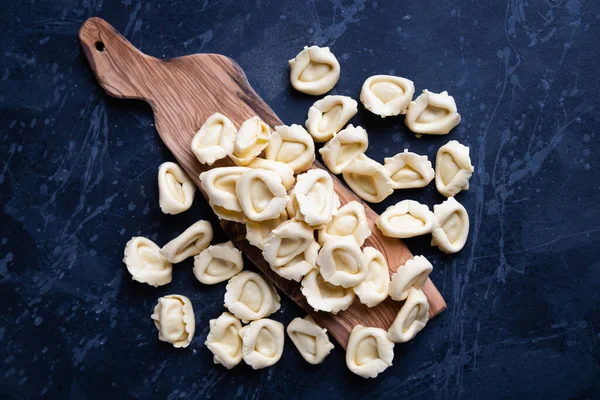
78	179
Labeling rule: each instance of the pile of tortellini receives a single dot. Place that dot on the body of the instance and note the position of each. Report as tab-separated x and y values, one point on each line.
294	216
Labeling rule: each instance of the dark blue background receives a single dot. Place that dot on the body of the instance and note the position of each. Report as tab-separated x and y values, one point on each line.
78	179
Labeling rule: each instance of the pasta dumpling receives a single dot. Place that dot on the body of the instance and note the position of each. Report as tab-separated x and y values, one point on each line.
262	343
313	197
315	70
224	341
214	140
173	316
285	172
451	226
261	194
258	232
413	274
387	95
409	170
293	146
228	215
342	263
300	265
287	241
453	168
368	179
220	183
145	263
323	296
310	339
369	351
329	115
432	114
218	263
411	318
175	189
350	220
374	288
191	242
249	297
343	147
250	140
406	219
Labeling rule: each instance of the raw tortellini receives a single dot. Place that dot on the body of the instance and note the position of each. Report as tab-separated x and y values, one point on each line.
190	243
220	183
315	70
224	341
249	297
368	179
218	263
145	263
432	113
313	197
214	140
258	232
174	319
406	219
387	95
250	140
329	115
451	226
374	288
323	296
342	263
411	318
285	172
343	147
453	168
350	220
293	146
413	274
261	194
297	267
262	343
175	189
287	241
310	339
369	351
409	170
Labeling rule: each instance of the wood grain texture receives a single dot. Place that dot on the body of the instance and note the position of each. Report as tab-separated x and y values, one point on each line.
183	92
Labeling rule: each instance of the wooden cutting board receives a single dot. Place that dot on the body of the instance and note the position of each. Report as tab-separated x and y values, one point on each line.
183	92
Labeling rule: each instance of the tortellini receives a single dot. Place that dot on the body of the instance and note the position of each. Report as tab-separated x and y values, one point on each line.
453	168
342	263
413	274
285	172
368	179
218	263
329	115
350	220
174	319
258	232
451	226
287	241
175	189
343	147
293	146
374	288
250	140
406	219
191	242
432	114
224	341
323	296
299	265
214	140
310	339
145	263
409	170
315	70
369	351
249	297
261	194
313	197
411	318
228	215
220	183
387	95
262	343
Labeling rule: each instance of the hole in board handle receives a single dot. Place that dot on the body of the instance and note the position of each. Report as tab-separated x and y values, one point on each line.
99	46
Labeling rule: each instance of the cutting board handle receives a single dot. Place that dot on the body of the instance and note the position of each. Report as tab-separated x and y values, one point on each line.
120	68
